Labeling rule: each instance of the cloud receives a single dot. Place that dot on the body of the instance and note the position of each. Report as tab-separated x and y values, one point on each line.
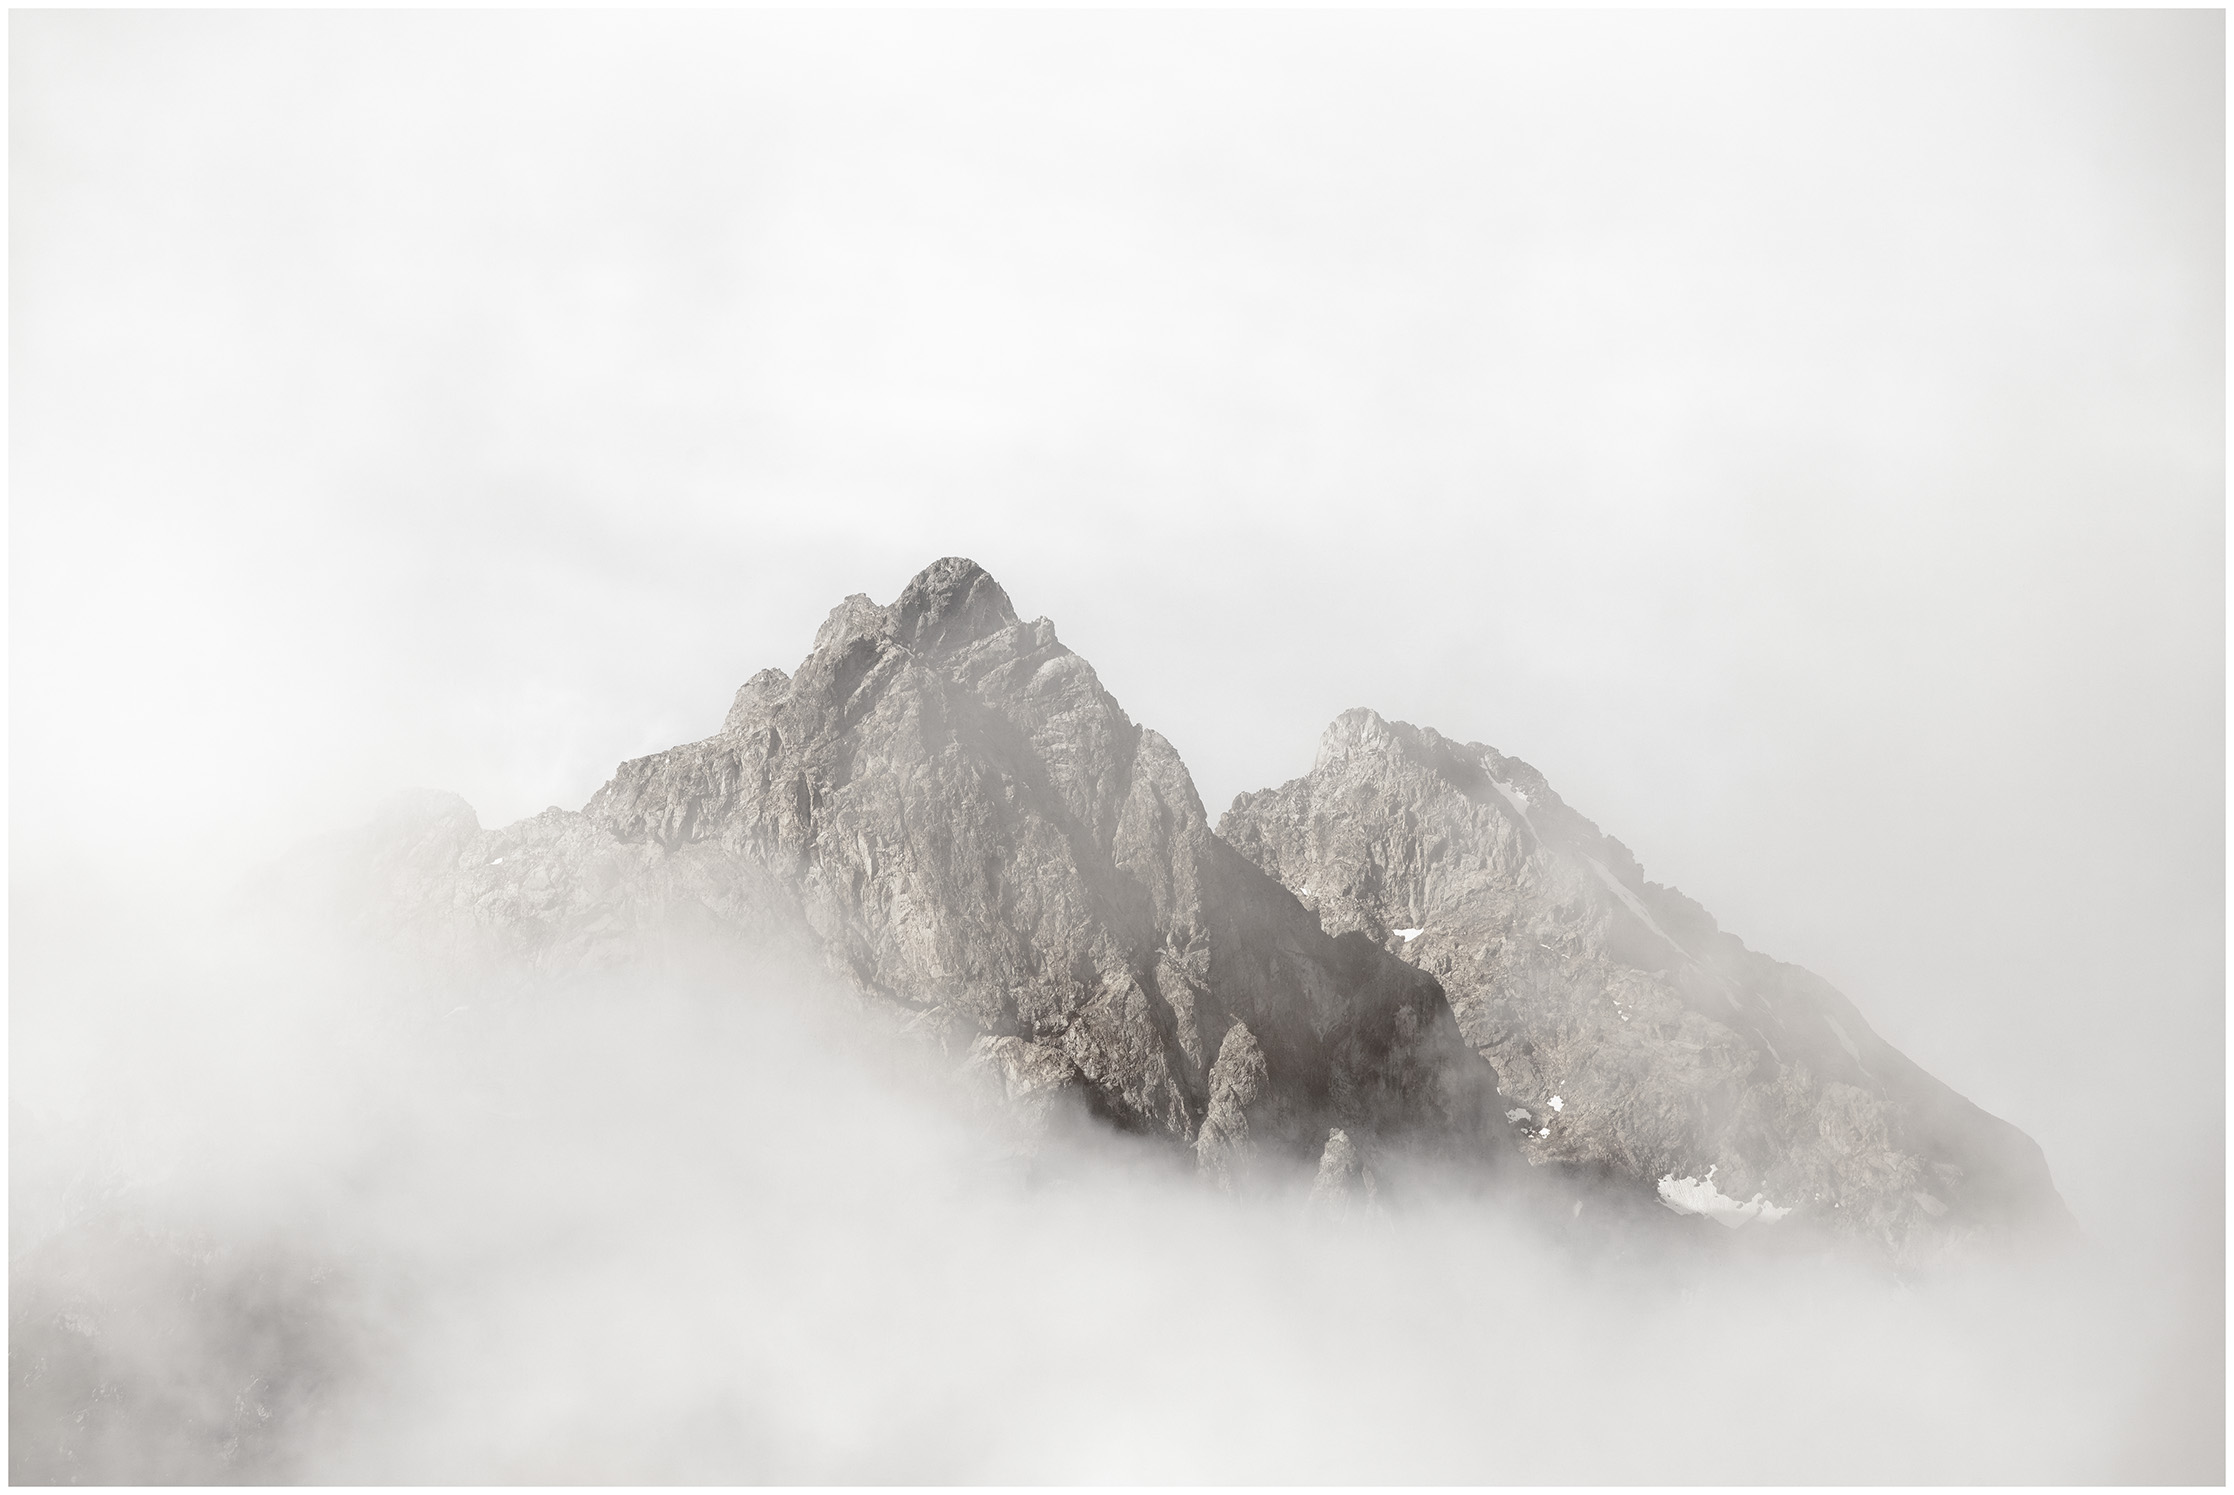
648	1228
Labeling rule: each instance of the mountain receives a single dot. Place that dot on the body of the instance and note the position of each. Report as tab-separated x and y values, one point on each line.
1635	1036
945	808
1418	946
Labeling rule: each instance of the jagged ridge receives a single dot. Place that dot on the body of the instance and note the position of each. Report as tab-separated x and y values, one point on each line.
1636	1035
944	807
944	803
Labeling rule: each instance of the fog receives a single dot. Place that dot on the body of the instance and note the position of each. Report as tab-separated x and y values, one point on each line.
1799	435
301	1216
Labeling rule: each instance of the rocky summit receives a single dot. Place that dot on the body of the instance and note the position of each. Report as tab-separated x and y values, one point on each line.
1417	947
1633	1036
944	807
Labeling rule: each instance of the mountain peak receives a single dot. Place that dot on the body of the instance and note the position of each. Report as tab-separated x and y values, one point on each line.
951	602
1635	1037
1417	944
1357	730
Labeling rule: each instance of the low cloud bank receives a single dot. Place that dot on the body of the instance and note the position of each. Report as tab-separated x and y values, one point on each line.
282	1213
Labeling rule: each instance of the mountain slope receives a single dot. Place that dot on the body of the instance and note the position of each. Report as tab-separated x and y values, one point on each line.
1635	1037
944	806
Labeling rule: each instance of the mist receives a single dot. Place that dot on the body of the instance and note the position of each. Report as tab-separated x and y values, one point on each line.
1800	435
307	1214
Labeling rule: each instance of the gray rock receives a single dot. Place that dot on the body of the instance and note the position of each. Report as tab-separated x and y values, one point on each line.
943	808
1633	1037
943	813
1242	1104
1345	1189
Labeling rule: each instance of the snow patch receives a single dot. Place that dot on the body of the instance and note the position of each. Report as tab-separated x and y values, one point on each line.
498	862
1409	935
1557	1104
1514	797
1699	1196
1631	901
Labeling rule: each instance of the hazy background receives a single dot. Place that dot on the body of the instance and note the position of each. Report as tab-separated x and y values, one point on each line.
1799	435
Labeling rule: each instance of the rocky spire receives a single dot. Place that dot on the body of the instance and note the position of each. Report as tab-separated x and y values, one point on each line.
950	603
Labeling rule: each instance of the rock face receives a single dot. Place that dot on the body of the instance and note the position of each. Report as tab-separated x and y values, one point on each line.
1345	1186
944	807
1633	1037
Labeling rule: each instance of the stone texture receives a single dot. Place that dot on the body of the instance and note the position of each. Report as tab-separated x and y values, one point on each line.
944	808
1345	1188
1635	1039
943	811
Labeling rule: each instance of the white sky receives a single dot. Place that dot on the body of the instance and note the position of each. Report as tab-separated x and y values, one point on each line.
1799	435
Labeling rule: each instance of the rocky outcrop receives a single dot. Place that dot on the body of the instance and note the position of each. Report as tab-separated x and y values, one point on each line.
1633	1037
1418	942
944	808
1344	1188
